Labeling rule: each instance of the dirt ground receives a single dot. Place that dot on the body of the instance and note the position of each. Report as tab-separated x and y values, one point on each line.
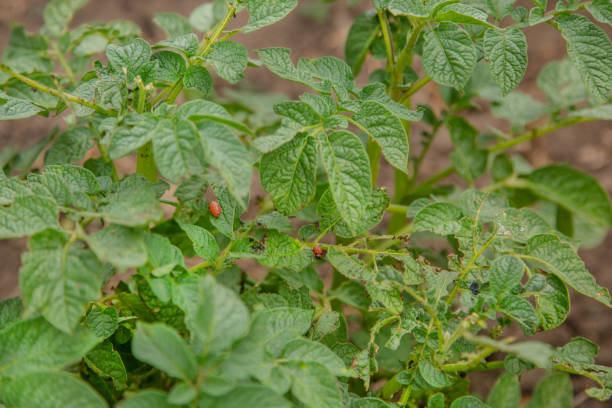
315	30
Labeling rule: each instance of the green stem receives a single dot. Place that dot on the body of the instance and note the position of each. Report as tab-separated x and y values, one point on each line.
427	184
415	88
405	59
142	95
146	163
56	92
535	133
384	26
476	363
205	46
397	209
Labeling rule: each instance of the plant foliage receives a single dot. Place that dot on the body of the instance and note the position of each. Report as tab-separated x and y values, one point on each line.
399	324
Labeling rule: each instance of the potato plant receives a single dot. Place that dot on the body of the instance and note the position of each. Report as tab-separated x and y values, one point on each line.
312	298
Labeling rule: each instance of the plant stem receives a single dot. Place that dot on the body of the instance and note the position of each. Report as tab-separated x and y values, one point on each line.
205	46
535	133
384	26
415	88
56	92
529	135
405	59
397	209
472	364
145	164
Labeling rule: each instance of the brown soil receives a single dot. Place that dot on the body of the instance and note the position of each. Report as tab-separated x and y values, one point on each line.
586	146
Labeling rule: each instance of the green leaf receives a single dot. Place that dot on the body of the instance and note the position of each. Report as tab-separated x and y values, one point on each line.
90	45
554	391
521	311
315	386
578	192
200	109
274	328
330	218
136	131
229	60
378	92
204	17
506	273
434	377
531	351
215	315
170	66
198	78
579	353
362	34
58	13
468	401
436	401
553	303
562	84
601	10
224	150
351	293
332	71
602	112
414	8
507	53
50	390
187	44
163	348
501	8
385	296
590	50
440	218
559	258
519	108
59	280
134	203
349	266
16	108
266	12
134	58
146	399
177	149
121	246
106	362
348	172
182	394
469	160
304	351
27	53
463	14
27	216
35	345
103	322
173	24
449	55
288	173
388	131
247	395
278	61
274	220
370	402
284	251
10	311
506	393
204	243
70	146
299	112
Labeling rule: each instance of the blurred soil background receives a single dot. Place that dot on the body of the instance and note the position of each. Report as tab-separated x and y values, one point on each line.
317	28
